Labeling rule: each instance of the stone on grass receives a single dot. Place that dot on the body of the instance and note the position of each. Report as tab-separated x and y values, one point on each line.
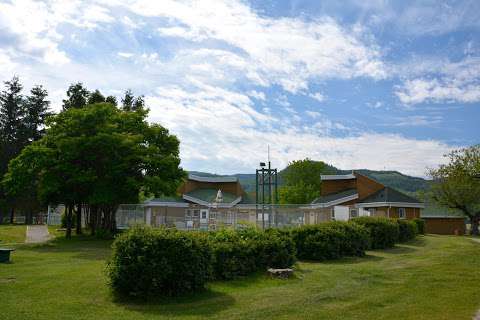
280	273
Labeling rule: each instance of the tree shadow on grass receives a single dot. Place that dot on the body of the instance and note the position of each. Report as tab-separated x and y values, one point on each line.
204	303
81	247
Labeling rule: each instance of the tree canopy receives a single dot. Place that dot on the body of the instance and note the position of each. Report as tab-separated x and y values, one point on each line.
302	182
457	184
98	156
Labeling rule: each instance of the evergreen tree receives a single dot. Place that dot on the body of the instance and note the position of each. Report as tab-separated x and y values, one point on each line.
128	100
139	103
11	110
11	131
36	113
77	96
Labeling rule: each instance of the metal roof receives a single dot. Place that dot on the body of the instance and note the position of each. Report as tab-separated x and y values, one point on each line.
209	195
337	177
335	196
388	194
212	179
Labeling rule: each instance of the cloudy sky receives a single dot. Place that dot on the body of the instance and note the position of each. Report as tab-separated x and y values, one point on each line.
359	84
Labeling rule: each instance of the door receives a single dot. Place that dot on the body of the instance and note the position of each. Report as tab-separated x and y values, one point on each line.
203	216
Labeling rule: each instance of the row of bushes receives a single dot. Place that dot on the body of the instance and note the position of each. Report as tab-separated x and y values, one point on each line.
171	262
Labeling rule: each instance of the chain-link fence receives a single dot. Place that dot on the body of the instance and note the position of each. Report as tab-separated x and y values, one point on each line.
195	217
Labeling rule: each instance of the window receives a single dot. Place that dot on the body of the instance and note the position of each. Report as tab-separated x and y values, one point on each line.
353	213
204	214
401	213
196	213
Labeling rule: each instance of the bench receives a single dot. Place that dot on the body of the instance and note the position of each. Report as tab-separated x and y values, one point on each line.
5	255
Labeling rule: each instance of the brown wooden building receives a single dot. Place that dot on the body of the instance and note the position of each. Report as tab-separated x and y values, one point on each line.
365	197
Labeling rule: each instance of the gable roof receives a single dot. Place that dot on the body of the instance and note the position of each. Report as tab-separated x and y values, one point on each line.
335	198
212	179
388	194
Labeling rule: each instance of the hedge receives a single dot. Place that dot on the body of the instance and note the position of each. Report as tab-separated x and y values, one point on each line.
159	262
420	225
239	253
407	230
168	262
330	240
384	232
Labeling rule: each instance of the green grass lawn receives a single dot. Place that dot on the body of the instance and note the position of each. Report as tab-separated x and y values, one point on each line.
435	277
12	234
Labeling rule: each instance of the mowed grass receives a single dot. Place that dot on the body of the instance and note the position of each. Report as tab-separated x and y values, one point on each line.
434	277
11	234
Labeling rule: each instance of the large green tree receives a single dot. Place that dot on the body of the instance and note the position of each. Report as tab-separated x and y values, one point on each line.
98	156
457	184
301	181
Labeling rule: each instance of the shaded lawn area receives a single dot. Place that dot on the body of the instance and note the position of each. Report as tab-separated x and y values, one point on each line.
11	234
434	277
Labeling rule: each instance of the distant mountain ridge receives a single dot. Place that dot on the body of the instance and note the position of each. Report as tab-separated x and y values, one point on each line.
393	179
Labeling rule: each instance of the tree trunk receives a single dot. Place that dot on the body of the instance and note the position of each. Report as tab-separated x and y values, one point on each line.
69	214
79	219
93	220
12	215
474	222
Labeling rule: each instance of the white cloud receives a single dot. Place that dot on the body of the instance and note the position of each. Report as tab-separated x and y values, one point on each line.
445	90
125	54
317	96
375	105
220	132
285	51
434	80
313	114
257	95
418	121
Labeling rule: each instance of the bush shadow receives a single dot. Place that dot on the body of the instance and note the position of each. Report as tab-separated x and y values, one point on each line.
348	260
203	303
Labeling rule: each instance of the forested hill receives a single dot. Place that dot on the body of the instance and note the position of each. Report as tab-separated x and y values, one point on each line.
393	179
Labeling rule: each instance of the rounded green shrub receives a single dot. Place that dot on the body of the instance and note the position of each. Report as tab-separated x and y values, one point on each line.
233	255
420	225
148	262
384	232
330	240
407	230
279	250
241	252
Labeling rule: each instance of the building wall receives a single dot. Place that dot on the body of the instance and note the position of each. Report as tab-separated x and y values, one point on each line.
334	186
445	225
367	186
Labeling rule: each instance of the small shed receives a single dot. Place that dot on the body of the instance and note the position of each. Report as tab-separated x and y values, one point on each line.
454	225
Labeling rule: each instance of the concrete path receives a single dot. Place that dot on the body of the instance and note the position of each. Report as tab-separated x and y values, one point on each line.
37	234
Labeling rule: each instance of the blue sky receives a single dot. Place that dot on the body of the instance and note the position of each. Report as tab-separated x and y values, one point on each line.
359	84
